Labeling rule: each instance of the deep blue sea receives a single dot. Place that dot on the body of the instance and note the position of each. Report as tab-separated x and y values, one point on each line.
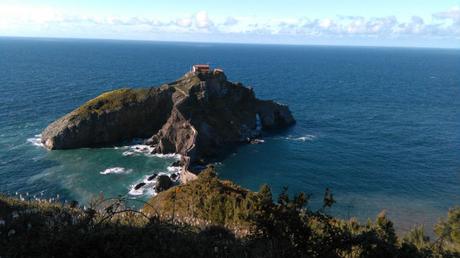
378	126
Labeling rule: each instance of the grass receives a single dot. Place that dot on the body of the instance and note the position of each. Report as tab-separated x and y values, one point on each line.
112	100
119	98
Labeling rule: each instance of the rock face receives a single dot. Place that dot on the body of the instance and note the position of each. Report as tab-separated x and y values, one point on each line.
195	116
110	118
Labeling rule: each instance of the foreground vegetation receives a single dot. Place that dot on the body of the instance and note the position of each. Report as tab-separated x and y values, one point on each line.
209	218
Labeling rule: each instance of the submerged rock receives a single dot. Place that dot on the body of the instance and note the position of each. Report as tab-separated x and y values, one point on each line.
138	186
176	163
150	178
197	116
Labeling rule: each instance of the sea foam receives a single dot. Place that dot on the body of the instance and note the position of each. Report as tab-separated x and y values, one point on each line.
116	170
148	189
307	137
147	150
36	140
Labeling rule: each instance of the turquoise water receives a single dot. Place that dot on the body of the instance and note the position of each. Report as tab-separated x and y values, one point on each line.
379	126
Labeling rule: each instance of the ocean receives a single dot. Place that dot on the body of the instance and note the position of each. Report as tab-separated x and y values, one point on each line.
380	127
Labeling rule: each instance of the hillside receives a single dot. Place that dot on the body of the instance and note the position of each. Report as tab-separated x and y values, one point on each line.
209	218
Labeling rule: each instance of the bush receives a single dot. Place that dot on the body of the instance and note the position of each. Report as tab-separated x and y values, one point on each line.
209	218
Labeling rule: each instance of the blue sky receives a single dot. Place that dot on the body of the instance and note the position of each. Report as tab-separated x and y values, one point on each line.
427	23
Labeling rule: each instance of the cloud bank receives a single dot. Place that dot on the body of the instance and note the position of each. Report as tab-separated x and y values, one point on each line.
442	25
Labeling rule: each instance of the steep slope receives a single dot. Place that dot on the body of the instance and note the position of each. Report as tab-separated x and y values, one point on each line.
111	118
196	116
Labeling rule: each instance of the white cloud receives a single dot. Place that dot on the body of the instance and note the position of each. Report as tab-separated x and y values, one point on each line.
230	21
41	19
452	14
326	23
415	26
184	22
13	14
202	20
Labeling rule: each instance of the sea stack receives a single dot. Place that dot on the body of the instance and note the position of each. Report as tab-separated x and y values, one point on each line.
197	116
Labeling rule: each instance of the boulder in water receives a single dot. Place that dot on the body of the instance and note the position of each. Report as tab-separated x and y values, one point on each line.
163	183
138	186
150	178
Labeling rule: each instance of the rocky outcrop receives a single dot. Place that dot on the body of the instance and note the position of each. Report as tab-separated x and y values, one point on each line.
163	183
214	113
274	115
111	118
197	116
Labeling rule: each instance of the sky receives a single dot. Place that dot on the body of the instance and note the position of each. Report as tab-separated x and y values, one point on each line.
406	23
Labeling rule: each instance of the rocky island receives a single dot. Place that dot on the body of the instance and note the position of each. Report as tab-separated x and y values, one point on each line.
199	116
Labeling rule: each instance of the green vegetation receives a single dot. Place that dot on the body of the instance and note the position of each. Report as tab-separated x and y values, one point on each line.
205	201
107	229
112	100
448	229
210	218
119	98
184	84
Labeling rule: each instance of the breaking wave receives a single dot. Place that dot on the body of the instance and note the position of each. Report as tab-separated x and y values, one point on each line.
147	150
148	187
36	140
116	170
307	137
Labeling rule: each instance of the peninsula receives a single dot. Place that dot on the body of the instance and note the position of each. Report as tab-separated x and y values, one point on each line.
199	116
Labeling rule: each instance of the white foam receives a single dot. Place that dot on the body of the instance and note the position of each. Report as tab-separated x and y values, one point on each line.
148	189
174	169
128	153
115	170
36	140
257	141
169	155
146	150
137	192
308	137
141	148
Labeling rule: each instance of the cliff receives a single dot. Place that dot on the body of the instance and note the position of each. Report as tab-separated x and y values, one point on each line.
196	116
111	118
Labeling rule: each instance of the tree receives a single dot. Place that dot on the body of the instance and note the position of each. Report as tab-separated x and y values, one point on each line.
449	229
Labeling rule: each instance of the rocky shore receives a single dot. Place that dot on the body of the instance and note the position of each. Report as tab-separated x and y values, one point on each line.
198	116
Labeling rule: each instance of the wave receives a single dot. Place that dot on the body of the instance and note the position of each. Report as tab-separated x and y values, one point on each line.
116	170
139	191
147	150
307	137
174	169
148	188
36	140
128	153
168	155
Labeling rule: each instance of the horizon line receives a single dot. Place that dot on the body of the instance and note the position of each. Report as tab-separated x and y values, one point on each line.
229	43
